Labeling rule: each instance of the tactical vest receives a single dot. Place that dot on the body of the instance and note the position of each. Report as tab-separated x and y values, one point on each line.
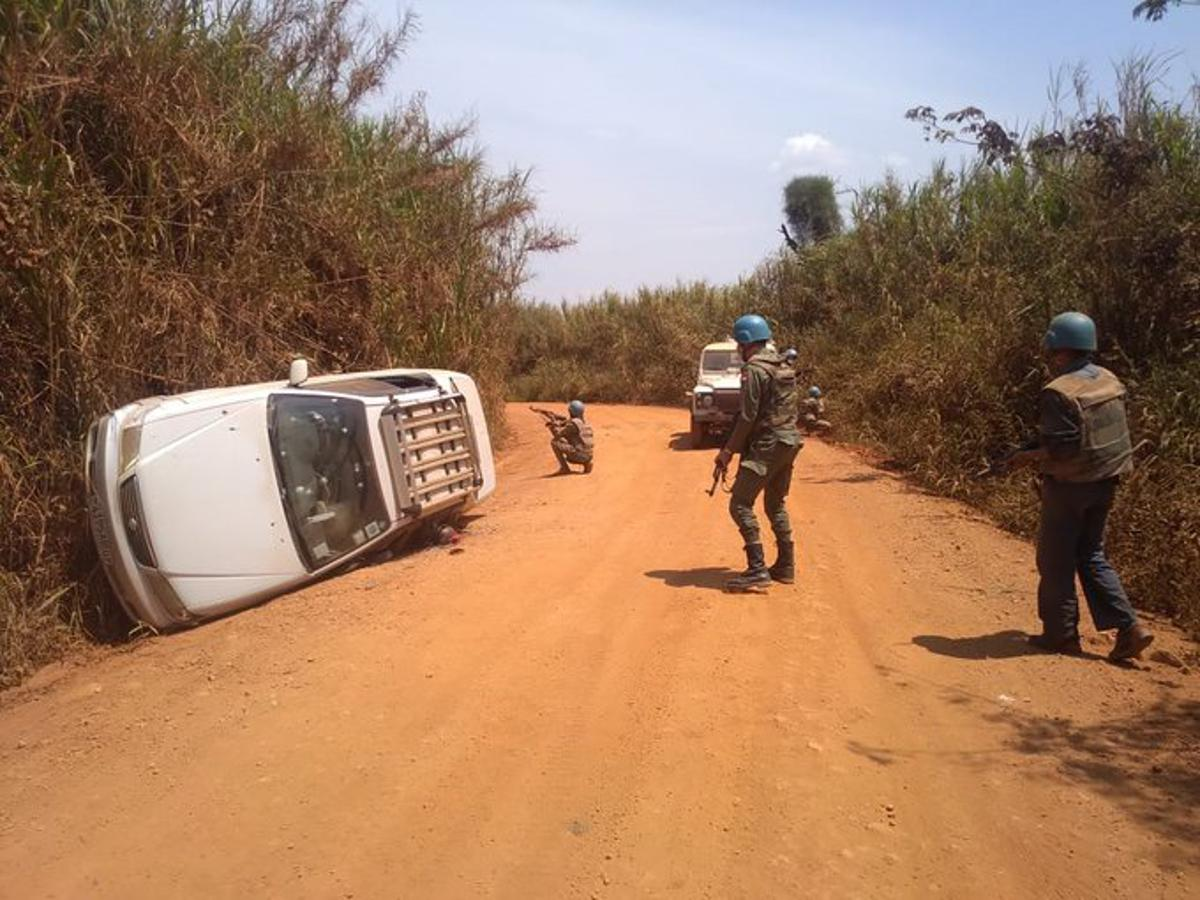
1104	446
779	407
586	441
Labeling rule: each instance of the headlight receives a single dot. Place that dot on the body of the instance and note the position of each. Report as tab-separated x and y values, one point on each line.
708	399
131	441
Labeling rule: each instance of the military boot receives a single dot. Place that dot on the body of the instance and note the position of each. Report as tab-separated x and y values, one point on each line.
1068	645
784	570
1131	642
756	578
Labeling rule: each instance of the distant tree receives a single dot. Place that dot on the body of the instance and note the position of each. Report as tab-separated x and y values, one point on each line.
811	209
1154	10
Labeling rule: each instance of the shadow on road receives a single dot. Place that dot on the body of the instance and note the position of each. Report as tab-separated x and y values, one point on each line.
711	577
883	756
1000	645
1147	761
682	440
856	478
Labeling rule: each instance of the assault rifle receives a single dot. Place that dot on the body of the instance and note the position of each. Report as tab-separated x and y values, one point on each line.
553	420
997	464
719	474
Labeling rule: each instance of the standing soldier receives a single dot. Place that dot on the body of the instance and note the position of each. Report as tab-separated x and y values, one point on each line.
572	440
1083	449
766	437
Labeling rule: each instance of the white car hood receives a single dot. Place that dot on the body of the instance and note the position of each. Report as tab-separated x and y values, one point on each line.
210	495
721	381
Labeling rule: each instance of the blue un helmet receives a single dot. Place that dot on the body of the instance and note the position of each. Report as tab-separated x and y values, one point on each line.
814	391
750	329
575	408
1071	331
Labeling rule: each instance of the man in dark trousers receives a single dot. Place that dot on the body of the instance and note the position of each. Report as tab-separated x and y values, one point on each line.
1083	451
765	435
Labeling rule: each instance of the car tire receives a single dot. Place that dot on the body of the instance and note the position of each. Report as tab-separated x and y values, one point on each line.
697	434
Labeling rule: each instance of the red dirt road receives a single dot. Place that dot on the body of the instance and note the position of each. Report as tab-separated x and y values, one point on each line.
571	708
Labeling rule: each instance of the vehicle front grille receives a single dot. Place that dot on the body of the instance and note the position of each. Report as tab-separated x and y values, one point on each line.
135	523
728	401
438	459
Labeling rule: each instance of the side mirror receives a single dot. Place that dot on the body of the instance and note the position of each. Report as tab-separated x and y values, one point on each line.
298	372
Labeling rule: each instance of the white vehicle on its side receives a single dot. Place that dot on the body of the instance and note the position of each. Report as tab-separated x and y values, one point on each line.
716	398
208	502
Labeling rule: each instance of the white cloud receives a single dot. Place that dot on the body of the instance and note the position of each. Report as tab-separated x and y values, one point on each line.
808	152
807	144
896	160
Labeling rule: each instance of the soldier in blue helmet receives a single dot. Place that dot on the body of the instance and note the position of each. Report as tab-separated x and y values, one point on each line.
765	435
1083	451
813	412
572	439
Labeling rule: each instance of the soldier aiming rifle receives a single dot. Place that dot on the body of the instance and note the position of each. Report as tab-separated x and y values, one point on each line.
812	412
571	437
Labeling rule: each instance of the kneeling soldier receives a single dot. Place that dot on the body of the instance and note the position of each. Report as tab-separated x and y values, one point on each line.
813	410
572	440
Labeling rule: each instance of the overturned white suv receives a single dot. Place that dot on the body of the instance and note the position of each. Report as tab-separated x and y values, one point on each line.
208	502
716	399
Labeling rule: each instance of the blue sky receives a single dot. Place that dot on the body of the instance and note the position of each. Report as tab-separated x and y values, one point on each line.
660	134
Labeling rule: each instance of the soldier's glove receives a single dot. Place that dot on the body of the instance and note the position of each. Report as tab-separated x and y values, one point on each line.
723	458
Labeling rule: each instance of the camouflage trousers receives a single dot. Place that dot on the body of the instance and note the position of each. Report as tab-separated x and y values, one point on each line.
567	452
773	482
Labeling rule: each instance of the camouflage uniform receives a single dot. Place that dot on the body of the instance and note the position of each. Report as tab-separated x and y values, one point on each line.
766	437
814	411
573	442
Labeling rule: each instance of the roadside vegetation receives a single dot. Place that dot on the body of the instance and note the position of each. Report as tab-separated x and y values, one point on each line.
922	322
191	194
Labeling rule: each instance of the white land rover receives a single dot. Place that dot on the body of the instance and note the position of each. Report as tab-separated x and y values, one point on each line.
208	502
716	398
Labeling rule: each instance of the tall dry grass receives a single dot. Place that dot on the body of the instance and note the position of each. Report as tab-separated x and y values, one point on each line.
923	323
189	195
